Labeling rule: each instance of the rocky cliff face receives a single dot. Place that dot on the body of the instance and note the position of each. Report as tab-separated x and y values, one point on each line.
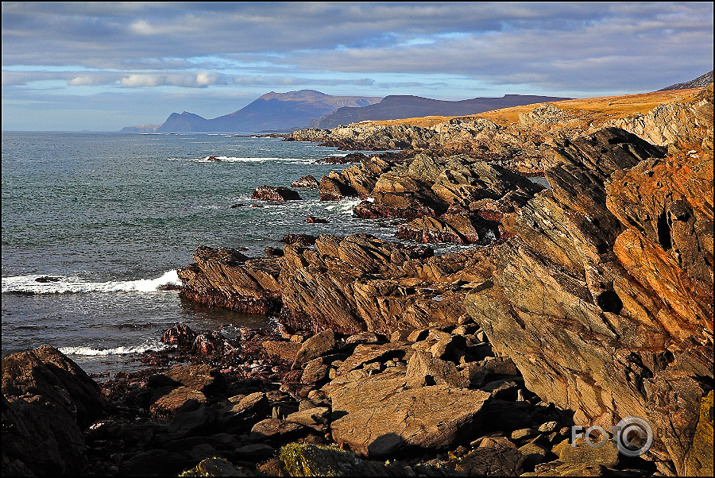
604	297
670	122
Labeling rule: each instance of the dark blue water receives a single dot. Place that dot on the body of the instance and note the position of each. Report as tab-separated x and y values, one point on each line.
112	216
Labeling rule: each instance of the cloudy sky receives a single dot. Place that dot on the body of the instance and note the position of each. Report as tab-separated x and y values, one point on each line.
102	66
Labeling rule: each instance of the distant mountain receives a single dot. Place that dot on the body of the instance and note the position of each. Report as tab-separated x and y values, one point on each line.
698	82
271	112
406	106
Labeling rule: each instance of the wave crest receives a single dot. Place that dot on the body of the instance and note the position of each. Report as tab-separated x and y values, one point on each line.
63	285
150	345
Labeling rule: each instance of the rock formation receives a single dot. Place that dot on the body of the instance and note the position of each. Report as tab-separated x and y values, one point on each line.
603	298
350	284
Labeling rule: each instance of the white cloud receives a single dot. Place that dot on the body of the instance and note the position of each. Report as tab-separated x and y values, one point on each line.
90	80
183	79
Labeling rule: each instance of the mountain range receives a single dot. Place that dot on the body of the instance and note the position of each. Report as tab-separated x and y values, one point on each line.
270	112
285	112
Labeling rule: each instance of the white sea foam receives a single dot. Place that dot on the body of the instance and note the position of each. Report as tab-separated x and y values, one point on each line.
344	206
149	345
241	159
62	285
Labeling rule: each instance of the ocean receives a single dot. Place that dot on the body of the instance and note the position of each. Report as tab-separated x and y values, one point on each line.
93	224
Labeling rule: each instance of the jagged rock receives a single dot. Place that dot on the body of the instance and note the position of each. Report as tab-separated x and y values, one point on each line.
226	278
47	402
603	299
350	284
274	193
669	122
315	346
333	190
348	158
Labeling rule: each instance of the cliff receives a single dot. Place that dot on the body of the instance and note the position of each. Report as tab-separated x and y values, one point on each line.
604	298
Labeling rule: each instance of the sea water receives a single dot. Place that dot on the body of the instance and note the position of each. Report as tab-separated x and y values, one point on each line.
94	224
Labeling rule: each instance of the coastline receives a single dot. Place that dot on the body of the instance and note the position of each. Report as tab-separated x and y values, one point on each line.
585	302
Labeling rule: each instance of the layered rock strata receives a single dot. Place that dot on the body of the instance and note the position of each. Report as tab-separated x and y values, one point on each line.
604	297
350	284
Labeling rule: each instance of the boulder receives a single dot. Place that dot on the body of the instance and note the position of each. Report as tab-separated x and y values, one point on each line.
47	403
315	346
381	416
274	193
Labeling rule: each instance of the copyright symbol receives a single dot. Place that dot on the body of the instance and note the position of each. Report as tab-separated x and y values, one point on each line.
635	436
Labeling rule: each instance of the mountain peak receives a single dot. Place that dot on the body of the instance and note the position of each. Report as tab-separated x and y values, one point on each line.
270	112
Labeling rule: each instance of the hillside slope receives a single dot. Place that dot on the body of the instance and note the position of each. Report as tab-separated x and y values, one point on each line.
407	106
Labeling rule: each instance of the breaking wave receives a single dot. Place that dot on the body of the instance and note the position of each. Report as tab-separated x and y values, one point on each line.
149	345
34	284
239	159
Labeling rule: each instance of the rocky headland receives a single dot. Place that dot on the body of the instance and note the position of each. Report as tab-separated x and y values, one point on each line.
579	305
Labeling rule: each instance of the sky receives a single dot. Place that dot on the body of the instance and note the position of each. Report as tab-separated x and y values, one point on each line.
102	66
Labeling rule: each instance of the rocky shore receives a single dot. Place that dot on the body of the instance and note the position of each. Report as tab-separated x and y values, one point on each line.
579	305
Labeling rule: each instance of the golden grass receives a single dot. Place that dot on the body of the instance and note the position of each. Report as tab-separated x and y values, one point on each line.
596	109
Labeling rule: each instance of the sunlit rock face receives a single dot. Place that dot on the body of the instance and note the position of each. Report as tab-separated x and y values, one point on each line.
604	298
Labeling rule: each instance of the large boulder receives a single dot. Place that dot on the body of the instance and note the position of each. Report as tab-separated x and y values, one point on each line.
381	415
47	403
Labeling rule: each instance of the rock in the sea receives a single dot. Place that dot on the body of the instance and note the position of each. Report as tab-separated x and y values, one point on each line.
226	278
350	284
47	403
303	240
274	193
